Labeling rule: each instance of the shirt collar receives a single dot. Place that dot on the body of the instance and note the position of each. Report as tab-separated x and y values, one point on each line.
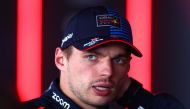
57	98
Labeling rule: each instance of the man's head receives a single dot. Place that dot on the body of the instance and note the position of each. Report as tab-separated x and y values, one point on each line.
94	57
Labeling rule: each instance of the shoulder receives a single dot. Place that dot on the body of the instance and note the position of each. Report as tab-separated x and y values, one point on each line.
138	97
166	101
34	103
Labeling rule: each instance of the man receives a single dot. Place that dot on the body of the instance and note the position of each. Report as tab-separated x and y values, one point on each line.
94	60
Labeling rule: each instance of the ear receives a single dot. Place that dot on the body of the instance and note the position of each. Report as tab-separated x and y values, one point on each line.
59	58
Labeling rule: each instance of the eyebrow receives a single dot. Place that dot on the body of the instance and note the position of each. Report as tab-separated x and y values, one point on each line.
126	54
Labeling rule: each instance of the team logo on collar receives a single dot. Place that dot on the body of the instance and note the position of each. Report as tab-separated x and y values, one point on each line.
107	20
61	101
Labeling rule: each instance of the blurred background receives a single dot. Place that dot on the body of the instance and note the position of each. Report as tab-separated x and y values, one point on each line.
170	44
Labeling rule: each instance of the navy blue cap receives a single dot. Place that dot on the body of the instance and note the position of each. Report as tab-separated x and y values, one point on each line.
95	26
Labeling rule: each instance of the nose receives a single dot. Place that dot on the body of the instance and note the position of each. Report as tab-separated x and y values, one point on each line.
106	68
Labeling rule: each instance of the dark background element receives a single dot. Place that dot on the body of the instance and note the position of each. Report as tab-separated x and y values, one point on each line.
171	47
8	54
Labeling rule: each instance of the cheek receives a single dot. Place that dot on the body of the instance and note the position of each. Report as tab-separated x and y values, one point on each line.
120	74
81	72
120	71
119	77
81	79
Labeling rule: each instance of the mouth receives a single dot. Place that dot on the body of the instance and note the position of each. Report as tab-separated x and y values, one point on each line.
102	89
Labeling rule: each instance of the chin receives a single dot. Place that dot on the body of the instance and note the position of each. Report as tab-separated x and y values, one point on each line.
103	101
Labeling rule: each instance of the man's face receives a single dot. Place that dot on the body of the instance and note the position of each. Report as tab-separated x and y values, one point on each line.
95	77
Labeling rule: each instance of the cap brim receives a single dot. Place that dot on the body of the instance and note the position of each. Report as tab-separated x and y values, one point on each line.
133	49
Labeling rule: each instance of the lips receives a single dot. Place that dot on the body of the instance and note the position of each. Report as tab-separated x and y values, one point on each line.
102	89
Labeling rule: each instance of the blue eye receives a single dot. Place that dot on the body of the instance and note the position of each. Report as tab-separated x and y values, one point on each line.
119	60
92	57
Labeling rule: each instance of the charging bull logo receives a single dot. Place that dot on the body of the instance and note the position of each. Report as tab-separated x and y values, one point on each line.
107	20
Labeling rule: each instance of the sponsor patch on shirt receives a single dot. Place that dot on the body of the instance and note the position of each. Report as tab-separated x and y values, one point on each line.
60	101
107	20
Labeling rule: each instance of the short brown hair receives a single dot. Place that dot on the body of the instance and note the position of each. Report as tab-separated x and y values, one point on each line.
68	51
